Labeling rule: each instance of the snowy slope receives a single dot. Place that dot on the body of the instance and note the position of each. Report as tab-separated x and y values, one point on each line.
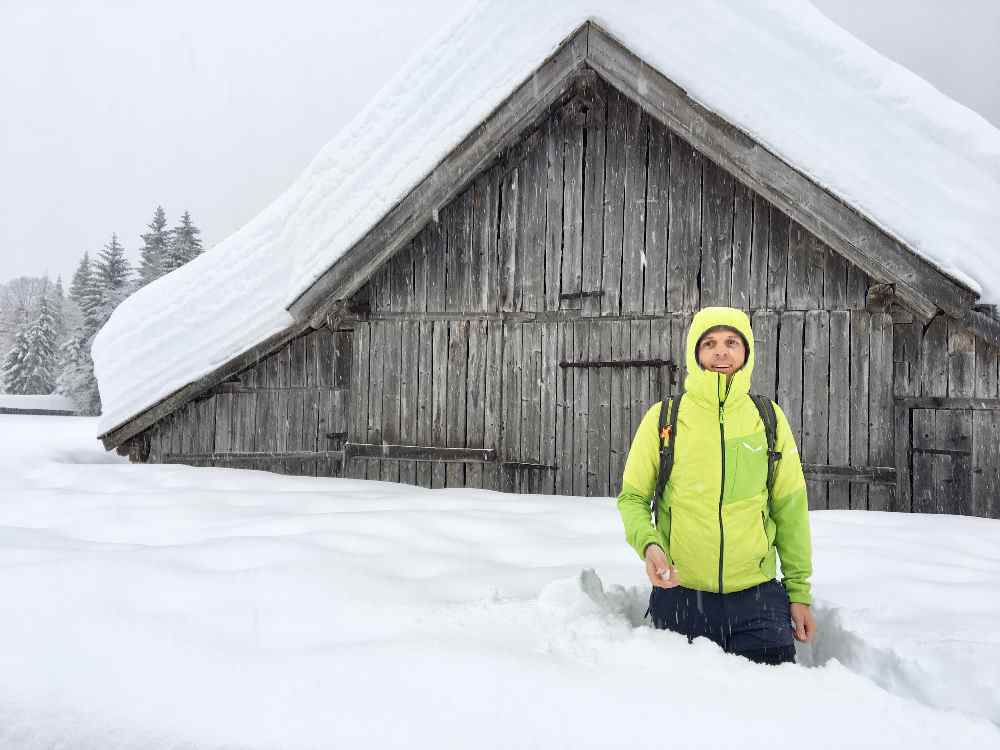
164	606
920	165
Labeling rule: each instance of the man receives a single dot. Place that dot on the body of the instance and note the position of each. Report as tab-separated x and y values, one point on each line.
712	556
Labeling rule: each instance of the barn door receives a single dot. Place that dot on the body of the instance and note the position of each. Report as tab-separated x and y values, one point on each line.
941	456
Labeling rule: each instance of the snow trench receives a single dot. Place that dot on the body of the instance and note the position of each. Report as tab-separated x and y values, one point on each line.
835	641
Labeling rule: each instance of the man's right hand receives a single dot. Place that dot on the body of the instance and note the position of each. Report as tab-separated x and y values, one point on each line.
658	570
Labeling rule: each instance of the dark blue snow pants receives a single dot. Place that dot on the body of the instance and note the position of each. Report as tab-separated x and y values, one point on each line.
755	622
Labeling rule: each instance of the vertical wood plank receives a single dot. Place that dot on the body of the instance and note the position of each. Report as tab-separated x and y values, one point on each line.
531	242
880	407
420	271
553	211
642	399
839	440
777	260
475	398
614	204
717	235
835	281
924	500
494	406
484	237
391	361
789	398
593	201
934	358
634	232
684	239
806	264
760	240
986	370
621	406
531	403
425	398
564	412
571	277
961	361
986	464
439	397
581	408
599	414
742	244
857	287
658	226
513	360
360	379
765	372
549	386
458	360
860	363
434	263
509	206
816	399
375	391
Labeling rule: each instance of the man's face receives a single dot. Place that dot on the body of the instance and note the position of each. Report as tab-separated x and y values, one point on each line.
722	352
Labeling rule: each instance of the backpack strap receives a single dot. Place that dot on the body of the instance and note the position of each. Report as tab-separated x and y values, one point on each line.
668	434
767	415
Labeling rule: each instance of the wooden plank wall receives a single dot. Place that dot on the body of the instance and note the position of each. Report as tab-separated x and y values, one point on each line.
602	201
596	238
943	360
289	401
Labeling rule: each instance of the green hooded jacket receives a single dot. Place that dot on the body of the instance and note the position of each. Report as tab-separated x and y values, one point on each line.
715	523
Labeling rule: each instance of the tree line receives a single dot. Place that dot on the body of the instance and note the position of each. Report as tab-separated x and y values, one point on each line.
50	333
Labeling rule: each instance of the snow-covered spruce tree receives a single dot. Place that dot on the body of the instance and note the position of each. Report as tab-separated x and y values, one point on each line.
40	364
184	245
30	366
112	283
76	376
13	365
86	294
155	244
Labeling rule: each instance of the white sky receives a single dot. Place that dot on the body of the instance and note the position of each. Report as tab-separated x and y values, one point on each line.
216	107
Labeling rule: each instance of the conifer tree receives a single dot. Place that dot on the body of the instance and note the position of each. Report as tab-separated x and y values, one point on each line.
184	245
86	294
155	244
76	375
13	364
30	366
112	280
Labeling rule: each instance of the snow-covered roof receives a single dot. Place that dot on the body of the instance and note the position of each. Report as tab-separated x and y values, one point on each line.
52	403
921	166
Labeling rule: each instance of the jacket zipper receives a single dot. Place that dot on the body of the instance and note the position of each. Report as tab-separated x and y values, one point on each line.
722	489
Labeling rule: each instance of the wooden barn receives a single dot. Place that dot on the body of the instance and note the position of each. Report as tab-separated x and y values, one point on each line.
507	322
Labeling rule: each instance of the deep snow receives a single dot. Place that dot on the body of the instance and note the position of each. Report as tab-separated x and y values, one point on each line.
917	163
166	606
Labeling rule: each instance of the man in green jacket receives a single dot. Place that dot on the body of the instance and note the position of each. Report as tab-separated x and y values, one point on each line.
712	556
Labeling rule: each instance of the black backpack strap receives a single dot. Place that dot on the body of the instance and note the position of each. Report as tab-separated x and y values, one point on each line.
767	415
668	434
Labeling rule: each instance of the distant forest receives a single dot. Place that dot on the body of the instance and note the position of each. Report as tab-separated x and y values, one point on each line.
46	333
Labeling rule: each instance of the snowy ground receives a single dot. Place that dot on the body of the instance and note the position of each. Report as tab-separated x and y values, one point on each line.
164	606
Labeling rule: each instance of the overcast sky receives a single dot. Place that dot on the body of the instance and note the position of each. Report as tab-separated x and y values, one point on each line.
216	107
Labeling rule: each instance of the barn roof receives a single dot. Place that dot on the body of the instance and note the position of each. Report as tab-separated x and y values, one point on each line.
774	90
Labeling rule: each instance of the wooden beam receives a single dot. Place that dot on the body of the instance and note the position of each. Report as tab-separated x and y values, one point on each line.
866	474
419	453
935	402
248	456
919	284
526	106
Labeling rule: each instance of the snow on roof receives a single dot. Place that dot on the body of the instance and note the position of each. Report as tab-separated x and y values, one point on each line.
36	403
920	165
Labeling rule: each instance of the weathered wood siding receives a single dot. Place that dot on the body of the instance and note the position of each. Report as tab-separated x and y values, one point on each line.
287	413
517	340
596	239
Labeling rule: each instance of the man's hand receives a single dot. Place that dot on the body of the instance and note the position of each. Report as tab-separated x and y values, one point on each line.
802	618
658	570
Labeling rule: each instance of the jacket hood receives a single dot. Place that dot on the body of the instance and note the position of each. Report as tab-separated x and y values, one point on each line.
705	384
